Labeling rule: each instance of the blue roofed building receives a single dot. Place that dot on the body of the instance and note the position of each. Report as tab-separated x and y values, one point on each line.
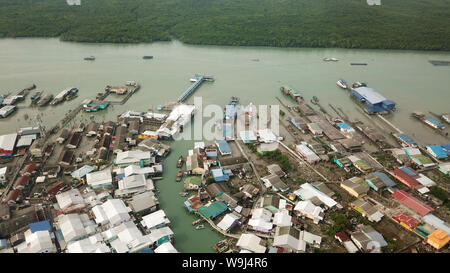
219	175
81	172
439	151
344	127
40	226
230	111
223	146
376	103
227	131
406	140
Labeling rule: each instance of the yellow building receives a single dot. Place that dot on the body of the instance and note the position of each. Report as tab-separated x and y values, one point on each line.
438	239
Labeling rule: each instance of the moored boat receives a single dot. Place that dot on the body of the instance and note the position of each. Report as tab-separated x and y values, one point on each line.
195	222
180	161
342	83
45	100
90	58
200	227
36	96
179	175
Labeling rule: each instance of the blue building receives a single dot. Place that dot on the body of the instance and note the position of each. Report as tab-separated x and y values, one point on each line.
223	146
376	103
439	151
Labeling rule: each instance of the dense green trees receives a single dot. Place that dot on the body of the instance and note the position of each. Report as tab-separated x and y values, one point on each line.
400	24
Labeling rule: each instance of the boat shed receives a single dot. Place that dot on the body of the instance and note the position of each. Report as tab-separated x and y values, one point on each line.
376	102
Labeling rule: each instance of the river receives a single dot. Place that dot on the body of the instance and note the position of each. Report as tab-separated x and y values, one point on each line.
254	74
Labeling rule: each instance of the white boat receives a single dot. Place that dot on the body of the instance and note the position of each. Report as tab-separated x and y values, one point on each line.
200	227
342	83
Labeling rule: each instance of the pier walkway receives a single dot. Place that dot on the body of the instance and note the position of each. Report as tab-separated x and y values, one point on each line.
197	79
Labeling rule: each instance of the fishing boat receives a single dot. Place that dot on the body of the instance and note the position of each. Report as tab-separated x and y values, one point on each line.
147	57
330	59
358	63
73	93
45	100
359	84
195	222
234	100
222	246
31	87
342	83
90	58
200	227
36	96
180	162
179	175
315	99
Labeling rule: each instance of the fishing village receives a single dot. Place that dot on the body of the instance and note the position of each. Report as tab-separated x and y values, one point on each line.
322	182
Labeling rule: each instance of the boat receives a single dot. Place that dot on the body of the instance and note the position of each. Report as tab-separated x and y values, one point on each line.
73	93
184	194
342	83
90	58
179	175
45	100
330	59
31	87
222	246
147	57
359	84
442	63
131	83
446	117
315	99
234	100
200	227
195	222
358	63
36	96
180	162
433	123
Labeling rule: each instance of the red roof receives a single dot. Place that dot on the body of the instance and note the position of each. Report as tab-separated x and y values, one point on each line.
408	220
13	195
22	181
342	237
412	202
405	179
30	168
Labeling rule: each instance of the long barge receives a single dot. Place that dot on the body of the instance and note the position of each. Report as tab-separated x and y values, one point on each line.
433	123
45	100
63	94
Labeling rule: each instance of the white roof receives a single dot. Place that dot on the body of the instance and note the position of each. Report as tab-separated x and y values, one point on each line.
132	181
307	191
286	240
305	150
260	223
262	213
251	242
437	223
157	234
350	246
166	247
116	211
99	178
70	198
282	218
7	142
92	244
100	215
3	171
267	136
25	141
227	221
155	219
427	182
130	235
134	169
132	157
74	225
423	190
311	238
40	179
39	241
307	207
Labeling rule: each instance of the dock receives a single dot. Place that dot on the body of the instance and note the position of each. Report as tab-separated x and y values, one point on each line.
198	80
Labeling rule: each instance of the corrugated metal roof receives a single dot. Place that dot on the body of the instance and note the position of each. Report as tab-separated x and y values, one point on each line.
412	202
370	95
